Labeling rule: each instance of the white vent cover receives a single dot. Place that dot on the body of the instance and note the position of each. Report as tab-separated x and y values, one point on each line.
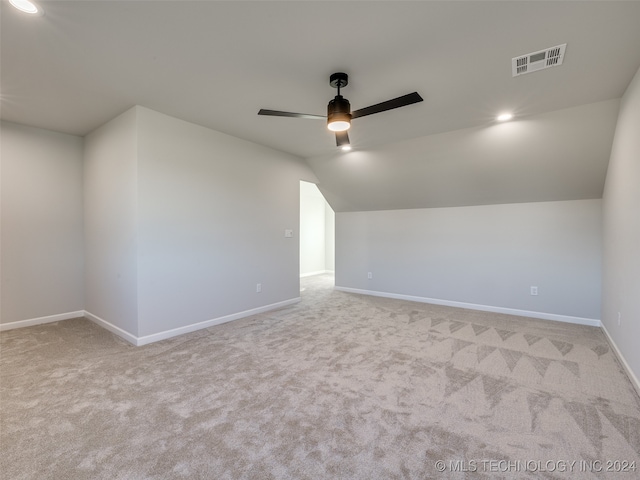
531	62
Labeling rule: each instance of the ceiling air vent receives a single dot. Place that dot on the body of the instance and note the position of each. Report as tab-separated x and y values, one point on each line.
531	62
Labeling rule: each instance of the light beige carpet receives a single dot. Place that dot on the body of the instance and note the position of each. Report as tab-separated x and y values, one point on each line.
339	386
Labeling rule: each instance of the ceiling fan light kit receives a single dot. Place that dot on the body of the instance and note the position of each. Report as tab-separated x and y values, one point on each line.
339	114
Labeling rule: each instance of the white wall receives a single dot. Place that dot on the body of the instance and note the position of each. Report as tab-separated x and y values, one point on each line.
180	224
621	245
329	238
111	223
484	255
316	231
41	223
212	214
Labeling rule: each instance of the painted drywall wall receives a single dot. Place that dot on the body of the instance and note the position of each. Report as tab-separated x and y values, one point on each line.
213	210
329	238
316	231
42	238
111	223
621	230
483	255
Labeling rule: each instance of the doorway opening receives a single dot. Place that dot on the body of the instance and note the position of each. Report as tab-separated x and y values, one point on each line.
317	232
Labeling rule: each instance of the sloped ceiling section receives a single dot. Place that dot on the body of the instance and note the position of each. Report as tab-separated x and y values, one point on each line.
561	155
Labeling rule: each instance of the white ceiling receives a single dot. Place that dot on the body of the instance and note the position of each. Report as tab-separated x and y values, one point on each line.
217	63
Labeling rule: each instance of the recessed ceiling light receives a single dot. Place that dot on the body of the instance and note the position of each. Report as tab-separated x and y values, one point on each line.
346	148
26	6
503	117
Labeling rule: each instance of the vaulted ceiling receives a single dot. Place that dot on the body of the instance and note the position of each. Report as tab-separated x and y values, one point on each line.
217	63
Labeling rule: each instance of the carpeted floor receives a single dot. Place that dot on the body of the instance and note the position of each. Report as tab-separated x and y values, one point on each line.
338	386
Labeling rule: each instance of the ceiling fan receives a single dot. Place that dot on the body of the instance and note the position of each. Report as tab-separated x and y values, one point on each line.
339	114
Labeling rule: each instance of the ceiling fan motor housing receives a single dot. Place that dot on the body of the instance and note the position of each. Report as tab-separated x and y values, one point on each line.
339	110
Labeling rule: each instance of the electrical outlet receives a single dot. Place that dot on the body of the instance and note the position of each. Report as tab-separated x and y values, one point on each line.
258	287
369	275
534	290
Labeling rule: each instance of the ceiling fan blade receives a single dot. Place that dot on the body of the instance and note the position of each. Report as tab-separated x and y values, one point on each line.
277	113
402	101
342	138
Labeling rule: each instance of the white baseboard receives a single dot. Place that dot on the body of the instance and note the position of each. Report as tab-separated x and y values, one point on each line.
632	377
129	337
41	320
155	337
319	272
210	323
472	306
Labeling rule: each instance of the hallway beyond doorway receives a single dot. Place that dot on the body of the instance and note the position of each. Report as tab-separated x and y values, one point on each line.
317	221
